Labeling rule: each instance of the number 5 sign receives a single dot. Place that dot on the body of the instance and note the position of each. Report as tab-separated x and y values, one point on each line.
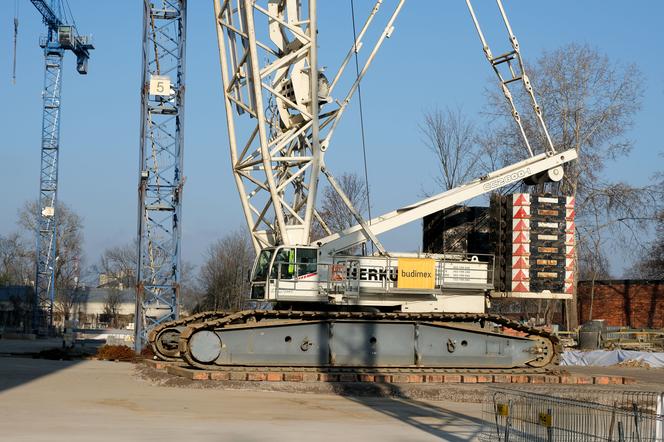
160	85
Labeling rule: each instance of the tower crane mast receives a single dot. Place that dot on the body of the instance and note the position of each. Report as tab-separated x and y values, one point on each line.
61	35
160	168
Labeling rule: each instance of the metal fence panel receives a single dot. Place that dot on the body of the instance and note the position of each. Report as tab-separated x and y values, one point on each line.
573	415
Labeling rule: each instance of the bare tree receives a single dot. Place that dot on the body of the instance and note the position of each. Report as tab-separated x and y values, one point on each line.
451	136
16	263
20	313
651	263
334	211
589	103
112	306
191	293
117	266
593	261
69	254
223	276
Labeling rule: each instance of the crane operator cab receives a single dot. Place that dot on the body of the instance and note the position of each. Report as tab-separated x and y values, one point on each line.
285	273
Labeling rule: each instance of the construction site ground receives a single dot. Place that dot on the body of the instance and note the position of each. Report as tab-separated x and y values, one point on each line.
99	400
111	401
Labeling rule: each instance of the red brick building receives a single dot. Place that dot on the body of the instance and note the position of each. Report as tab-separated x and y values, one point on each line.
632	303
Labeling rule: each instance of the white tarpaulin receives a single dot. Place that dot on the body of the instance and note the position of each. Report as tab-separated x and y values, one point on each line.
603	358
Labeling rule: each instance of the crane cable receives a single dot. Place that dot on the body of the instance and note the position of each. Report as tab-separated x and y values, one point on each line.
67	10
359	99
15	40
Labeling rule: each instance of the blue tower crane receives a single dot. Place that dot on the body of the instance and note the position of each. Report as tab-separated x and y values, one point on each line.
60	37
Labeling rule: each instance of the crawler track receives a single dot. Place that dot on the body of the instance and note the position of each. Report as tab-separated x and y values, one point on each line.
164	338
547	345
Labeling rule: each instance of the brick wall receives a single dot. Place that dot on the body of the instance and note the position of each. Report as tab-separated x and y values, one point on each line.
630	303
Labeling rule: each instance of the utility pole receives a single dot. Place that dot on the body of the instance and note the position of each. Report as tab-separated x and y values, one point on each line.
160	168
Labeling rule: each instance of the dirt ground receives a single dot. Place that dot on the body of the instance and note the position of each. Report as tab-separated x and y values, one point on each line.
96	400
84	400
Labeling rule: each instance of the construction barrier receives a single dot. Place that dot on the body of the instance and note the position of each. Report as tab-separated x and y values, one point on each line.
573	415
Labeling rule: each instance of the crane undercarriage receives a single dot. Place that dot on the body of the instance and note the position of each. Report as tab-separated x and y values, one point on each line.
217	340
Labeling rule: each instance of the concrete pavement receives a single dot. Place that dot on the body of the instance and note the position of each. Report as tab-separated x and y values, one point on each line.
107	401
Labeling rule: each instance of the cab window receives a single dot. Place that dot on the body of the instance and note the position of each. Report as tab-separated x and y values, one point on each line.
284	264
306	261
263	264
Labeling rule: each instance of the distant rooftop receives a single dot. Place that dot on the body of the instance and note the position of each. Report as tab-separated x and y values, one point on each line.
99	294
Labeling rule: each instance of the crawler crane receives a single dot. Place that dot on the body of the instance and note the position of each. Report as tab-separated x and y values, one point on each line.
331	307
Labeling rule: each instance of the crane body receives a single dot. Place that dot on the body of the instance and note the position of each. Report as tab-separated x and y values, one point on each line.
348	308
60	37
317	272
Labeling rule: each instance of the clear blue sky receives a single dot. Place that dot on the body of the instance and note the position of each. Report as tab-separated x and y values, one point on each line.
433	59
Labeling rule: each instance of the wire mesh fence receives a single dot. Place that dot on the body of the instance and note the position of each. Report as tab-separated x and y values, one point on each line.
573	415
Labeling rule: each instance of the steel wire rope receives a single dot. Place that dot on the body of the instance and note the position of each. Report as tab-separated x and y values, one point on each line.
67	14
359	100
15	42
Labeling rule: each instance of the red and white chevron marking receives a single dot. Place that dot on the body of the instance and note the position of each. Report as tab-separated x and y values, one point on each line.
570	246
